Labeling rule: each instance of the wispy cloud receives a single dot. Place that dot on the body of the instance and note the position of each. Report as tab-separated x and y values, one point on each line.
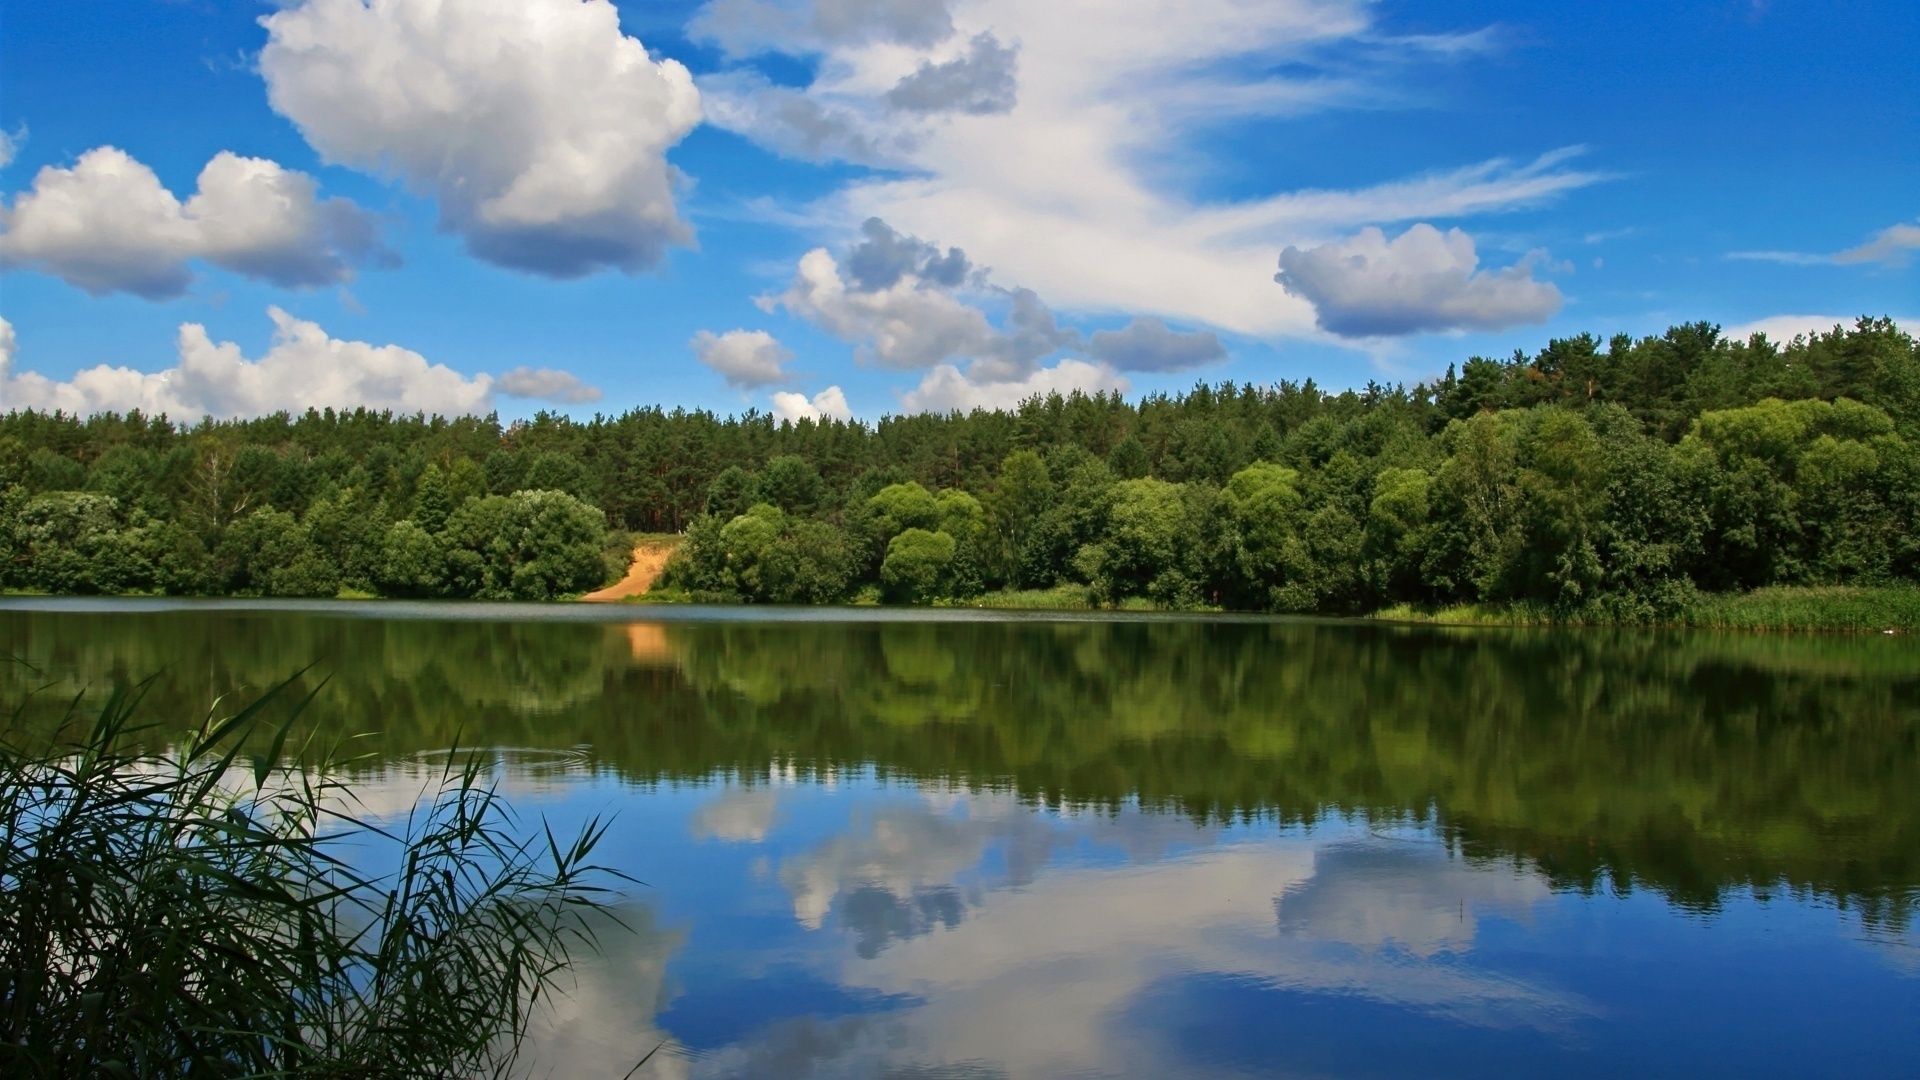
1043	179
1891	247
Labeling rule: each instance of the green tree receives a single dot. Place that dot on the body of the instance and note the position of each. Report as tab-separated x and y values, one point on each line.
75	542
433	500
1129	459
791	483
1022	495
1265	550
1396	533
899	507
412	561
731	493
1475	505
1564	485
916	566
531	545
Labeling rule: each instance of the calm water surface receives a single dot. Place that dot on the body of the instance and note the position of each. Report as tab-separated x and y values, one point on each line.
886	846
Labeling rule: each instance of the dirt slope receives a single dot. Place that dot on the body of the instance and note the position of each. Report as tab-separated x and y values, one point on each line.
648	560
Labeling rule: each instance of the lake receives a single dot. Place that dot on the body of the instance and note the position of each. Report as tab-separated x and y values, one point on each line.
883	843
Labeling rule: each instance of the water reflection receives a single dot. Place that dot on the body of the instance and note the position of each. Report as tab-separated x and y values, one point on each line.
1152	848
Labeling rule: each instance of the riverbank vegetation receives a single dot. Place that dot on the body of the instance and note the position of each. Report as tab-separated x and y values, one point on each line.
1595	481
174	907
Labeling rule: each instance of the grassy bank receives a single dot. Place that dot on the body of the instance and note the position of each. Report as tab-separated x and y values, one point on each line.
1827	608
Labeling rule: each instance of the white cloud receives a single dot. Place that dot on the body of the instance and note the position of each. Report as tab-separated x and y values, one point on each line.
828	404
546	384
9	347
1781	329
902	326
1788	258
1891	246
900	309
303	367
539	127
945	388
746	27
1148	345
107	225
10	145
1369	286
748	359
900	303
1053	192
981	81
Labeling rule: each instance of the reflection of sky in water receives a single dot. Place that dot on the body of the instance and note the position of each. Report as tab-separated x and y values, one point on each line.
862	929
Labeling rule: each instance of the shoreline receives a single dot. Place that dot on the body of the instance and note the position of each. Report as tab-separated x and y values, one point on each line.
1887	610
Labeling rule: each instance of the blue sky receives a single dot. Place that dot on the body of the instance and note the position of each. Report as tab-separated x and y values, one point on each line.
526	204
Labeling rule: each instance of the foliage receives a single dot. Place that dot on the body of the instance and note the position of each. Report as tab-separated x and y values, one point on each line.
917	565
1596	481
172	912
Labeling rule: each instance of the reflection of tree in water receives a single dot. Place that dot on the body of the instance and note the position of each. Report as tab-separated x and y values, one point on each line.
1686	762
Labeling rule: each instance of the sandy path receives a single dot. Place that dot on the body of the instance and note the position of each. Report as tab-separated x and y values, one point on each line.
648	560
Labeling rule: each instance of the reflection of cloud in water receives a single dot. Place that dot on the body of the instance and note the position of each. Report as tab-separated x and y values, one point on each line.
743	814
1037	979
878	916
908	847
1408	894
602	1022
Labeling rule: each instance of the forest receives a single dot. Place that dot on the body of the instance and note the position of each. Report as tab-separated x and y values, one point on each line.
1612	480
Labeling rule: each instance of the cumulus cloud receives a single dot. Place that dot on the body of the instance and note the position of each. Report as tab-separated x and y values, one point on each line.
108	225
905	304
883	257
897	304
303	367
747	359
546	384
901	326
1052	192
947	389
1148	345
10	145
1369	286
980	82
539	127
828	404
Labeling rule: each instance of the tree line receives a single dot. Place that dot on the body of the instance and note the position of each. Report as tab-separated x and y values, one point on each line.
1606	478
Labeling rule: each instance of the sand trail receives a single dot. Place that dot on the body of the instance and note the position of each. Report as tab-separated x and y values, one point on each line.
649	559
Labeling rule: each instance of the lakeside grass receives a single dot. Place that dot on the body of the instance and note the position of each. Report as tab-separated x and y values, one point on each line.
1832	608
1058	598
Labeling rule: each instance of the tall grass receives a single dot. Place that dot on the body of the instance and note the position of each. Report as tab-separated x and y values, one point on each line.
190	911
1811	607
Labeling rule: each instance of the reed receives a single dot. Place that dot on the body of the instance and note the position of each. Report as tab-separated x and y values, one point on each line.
192	910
